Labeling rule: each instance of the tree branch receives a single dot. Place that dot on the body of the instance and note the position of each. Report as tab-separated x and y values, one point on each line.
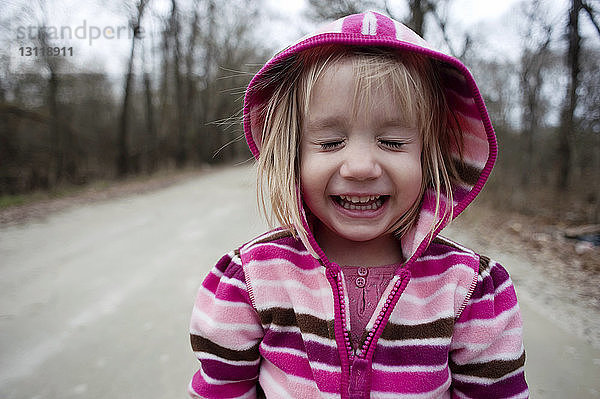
590	13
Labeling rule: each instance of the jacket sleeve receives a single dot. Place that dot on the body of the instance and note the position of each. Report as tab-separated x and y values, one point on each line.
487	357
225	333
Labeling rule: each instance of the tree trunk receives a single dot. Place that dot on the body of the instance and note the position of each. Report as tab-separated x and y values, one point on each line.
181	151
190	81
123	166
567	117
418	10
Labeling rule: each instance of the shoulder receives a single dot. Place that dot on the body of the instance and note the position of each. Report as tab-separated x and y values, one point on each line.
478	279
446	257
278	245
491	291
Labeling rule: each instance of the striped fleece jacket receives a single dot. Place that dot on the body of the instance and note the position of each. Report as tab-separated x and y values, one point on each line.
271	318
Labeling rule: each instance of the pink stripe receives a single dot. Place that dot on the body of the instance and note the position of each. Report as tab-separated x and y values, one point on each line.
442	305
282	271
409	382
475	148
224	313
286	297
233	390
385	26
298	366
488	309
224	289
442	269
480	334
353	24
227	336
289	363
295	388
504	348
462	105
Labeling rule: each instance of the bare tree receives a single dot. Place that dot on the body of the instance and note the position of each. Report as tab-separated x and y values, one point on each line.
135	21
152	139
322	10
534	58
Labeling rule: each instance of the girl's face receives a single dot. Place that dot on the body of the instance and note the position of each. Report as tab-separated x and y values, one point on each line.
360	168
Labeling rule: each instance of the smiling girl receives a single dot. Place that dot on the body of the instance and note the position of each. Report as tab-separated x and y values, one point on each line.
368	143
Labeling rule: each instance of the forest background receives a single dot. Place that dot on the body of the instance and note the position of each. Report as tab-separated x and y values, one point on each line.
66	122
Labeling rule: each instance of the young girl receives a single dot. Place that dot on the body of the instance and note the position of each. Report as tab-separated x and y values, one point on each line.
368	143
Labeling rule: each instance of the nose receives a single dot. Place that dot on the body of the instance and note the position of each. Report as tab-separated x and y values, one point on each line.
360	164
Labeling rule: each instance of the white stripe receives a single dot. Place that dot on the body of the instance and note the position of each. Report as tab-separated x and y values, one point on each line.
415	342
325	367
266	380
298	309
281	246
289	377
213	381
222	302
289	351
210	356
508	356
444	314
302	354
410	369
496	292
482	380
338	25
197	315
522	395
307	337
233	281
424	301
369	25
444	256
321	292
217	272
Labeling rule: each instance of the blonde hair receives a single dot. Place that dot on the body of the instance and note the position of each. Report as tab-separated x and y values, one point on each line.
416	87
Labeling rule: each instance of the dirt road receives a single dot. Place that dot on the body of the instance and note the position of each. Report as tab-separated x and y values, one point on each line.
95	300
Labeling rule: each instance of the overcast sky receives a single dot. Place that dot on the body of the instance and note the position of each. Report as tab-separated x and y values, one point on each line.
491	18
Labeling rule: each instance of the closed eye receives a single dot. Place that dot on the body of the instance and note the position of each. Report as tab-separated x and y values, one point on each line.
331	145
392	144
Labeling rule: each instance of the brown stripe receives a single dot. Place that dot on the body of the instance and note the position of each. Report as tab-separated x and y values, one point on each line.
467	173
201	344
441	328
442	241
484	263
274	237
492	369
307	323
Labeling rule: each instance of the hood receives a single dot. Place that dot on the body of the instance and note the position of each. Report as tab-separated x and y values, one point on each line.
479	141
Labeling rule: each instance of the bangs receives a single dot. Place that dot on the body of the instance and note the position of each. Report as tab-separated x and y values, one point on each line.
383	80
386	83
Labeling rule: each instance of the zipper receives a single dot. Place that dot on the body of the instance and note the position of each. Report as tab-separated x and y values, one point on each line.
357	381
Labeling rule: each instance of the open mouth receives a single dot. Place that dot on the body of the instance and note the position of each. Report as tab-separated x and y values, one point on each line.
362	203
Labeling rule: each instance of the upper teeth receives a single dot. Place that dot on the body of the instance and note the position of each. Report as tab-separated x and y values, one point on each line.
356	199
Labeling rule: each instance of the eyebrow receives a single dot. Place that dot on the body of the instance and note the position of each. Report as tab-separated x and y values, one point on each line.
327	122
397	122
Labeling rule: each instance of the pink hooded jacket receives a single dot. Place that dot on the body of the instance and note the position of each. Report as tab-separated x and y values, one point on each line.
271	317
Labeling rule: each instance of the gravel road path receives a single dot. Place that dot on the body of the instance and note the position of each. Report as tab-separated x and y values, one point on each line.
95	299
